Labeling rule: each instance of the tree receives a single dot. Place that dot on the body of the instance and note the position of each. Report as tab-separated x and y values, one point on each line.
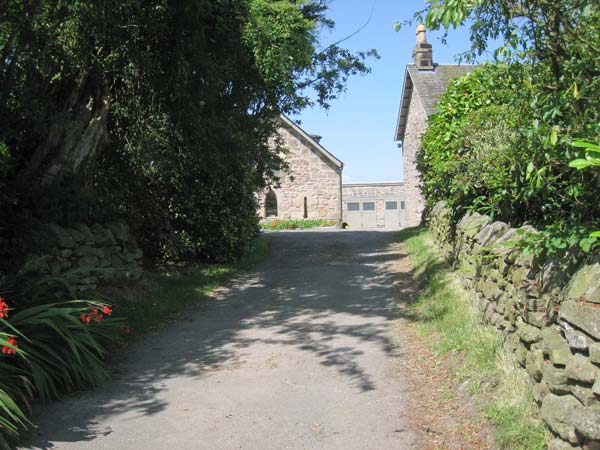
175	99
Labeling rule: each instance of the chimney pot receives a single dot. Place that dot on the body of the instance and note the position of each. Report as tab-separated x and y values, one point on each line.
423	51
316	137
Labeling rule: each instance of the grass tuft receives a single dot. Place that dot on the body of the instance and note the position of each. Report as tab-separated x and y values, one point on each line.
161	295
443	310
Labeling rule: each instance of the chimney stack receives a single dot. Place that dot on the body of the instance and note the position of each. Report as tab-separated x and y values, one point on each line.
423	52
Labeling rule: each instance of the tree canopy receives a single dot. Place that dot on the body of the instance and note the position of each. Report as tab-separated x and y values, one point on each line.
158	111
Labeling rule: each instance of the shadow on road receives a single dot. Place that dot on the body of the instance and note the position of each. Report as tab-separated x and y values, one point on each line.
317	292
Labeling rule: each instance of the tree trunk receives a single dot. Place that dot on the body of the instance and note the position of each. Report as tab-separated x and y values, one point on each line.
75	137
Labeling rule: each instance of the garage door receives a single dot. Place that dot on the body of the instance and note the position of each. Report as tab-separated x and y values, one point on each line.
353	215
392	214
361	214
369	215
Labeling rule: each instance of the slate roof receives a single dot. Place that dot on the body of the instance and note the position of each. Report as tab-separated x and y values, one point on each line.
430	85
316	147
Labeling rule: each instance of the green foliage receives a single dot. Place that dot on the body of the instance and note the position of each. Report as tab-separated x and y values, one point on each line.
193	88
48	349
296	224
468	154
501	144
546	96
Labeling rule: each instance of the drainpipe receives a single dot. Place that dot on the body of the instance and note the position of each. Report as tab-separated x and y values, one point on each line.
341	195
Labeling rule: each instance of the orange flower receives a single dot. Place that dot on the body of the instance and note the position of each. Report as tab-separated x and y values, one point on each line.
106	310
3	309
8	350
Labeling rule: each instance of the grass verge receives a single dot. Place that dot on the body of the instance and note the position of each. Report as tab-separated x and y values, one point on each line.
296	224
162	294
444	313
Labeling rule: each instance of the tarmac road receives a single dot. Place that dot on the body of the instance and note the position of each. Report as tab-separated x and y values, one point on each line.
298	354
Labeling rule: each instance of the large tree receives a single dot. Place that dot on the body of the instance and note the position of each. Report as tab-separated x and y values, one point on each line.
175	99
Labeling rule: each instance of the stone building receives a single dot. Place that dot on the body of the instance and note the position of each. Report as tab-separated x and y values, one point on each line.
424	84
374	205
312	186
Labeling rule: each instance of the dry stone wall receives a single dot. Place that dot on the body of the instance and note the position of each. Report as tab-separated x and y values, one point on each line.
548	312
89	254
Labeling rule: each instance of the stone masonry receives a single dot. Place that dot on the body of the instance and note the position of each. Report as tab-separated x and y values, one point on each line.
314	175
86	255
377	192
548	311
415	128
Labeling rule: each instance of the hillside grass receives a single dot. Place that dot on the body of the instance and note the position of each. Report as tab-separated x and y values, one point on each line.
446	316
163	293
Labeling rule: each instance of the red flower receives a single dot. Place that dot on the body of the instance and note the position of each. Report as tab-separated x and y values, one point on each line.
7	350
3	308
86	318
106	310
97	315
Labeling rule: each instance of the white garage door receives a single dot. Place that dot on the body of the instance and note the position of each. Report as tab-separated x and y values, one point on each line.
361	214
369	215
392	214
353	215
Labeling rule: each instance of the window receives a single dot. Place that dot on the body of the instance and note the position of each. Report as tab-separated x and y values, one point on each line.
368	206
305	208
353	206
391	205
271	204
402	205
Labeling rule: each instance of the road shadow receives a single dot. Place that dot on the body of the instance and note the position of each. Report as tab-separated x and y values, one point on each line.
316	292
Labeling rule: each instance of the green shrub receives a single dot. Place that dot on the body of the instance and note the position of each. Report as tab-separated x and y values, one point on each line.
494	148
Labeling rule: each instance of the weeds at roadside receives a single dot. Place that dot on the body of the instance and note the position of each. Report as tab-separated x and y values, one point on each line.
296	224
162	294
443	311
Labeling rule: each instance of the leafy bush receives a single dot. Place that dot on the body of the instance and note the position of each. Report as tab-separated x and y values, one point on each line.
545	91
493	148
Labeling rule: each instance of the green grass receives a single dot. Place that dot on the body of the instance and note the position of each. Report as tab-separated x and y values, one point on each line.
160	295
444	312
296	224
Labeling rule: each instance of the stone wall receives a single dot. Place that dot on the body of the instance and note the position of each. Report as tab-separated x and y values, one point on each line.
548	312
311	176
90	254
377	192
416	125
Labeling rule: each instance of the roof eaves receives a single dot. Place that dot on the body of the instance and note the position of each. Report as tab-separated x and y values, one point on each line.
404	106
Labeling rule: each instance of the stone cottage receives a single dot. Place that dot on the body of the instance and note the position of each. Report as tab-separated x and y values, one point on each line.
312	186
424	84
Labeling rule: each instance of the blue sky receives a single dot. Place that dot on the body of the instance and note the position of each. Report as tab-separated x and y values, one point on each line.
359	127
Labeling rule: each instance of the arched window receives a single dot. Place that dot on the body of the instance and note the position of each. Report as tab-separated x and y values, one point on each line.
271	204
